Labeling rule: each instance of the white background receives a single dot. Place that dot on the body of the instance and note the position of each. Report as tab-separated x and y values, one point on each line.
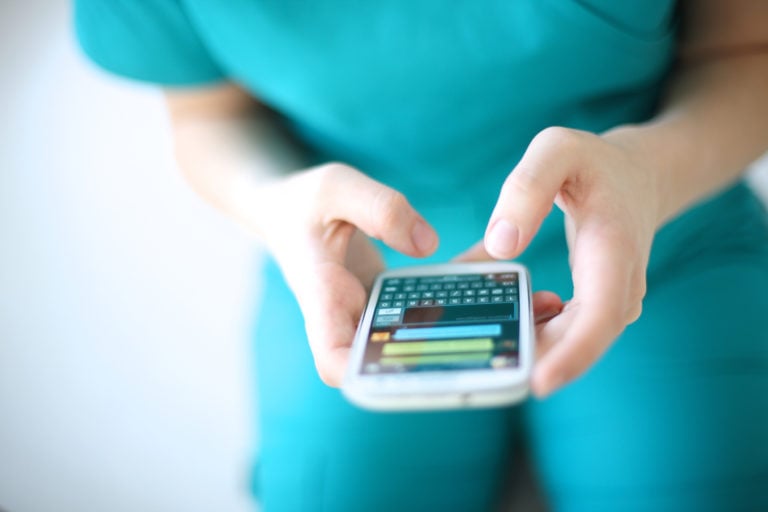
124	301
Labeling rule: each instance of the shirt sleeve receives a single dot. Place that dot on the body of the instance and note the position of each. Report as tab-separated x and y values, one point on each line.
148	40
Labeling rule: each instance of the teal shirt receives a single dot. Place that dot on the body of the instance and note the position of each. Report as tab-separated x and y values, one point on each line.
431	97
437	99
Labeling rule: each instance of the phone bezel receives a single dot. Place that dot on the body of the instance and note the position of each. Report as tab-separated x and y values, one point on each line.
445	388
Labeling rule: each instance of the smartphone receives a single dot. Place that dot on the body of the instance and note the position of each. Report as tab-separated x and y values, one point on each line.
449	336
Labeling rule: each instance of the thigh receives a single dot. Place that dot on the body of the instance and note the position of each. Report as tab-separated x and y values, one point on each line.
317	452
675	416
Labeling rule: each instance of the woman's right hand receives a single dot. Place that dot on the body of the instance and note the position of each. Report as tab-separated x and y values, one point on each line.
314	223
234	152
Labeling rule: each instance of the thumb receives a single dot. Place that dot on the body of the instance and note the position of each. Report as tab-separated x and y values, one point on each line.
528	194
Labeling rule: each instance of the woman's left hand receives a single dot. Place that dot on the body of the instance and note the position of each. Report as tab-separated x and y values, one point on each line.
609	196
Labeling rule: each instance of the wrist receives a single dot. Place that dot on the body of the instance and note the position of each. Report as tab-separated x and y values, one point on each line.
651	156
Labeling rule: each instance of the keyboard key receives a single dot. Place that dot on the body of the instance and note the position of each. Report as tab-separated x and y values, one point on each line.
497	298
398	304
497	291
482	300
414	295
428	295
389	311
385	304
468	293
427	302
440	302
436	287
387	319
484	291
422	288
441	294
413	303
386	296
400	296
409	288
468	300
454	301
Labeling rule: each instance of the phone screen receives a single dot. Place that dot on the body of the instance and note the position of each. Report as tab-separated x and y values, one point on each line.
445	322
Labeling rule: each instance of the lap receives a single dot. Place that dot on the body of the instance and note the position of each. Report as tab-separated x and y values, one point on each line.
672	418
675	416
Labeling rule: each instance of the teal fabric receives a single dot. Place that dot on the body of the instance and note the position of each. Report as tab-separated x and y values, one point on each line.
440	100
151	40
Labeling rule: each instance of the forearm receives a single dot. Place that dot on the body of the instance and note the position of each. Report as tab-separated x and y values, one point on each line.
229	148
712	125
713	120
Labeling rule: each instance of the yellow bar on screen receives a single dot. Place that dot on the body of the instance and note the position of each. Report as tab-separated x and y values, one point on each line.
469	357
438	346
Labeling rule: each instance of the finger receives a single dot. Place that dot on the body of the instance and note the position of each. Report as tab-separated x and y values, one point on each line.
475	253
529	192
379	211
363	259
598	312
331	293
546	305
332	306
551	331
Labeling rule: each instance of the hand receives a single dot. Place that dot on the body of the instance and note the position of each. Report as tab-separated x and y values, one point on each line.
609	198
314	223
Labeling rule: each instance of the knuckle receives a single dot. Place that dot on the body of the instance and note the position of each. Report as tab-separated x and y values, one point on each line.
525	180
526	187
634	312
334	168
321	187
327	174
557	138
387	209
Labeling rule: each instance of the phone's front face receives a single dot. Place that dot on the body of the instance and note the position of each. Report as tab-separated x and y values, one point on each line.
444	324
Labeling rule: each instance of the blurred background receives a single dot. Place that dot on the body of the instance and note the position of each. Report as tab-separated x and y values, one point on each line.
124	300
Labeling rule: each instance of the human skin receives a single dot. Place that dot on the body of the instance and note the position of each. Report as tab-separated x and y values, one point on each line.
616	189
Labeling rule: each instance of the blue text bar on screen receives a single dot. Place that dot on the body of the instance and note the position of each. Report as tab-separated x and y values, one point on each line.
458	331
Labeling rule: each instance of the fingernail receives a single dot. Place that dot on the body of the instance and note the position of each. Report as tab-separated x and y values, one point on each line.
502	240
423	237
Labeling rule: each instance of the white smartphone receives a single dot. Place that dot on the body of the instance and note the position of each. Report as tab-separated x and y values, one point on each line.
446	336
